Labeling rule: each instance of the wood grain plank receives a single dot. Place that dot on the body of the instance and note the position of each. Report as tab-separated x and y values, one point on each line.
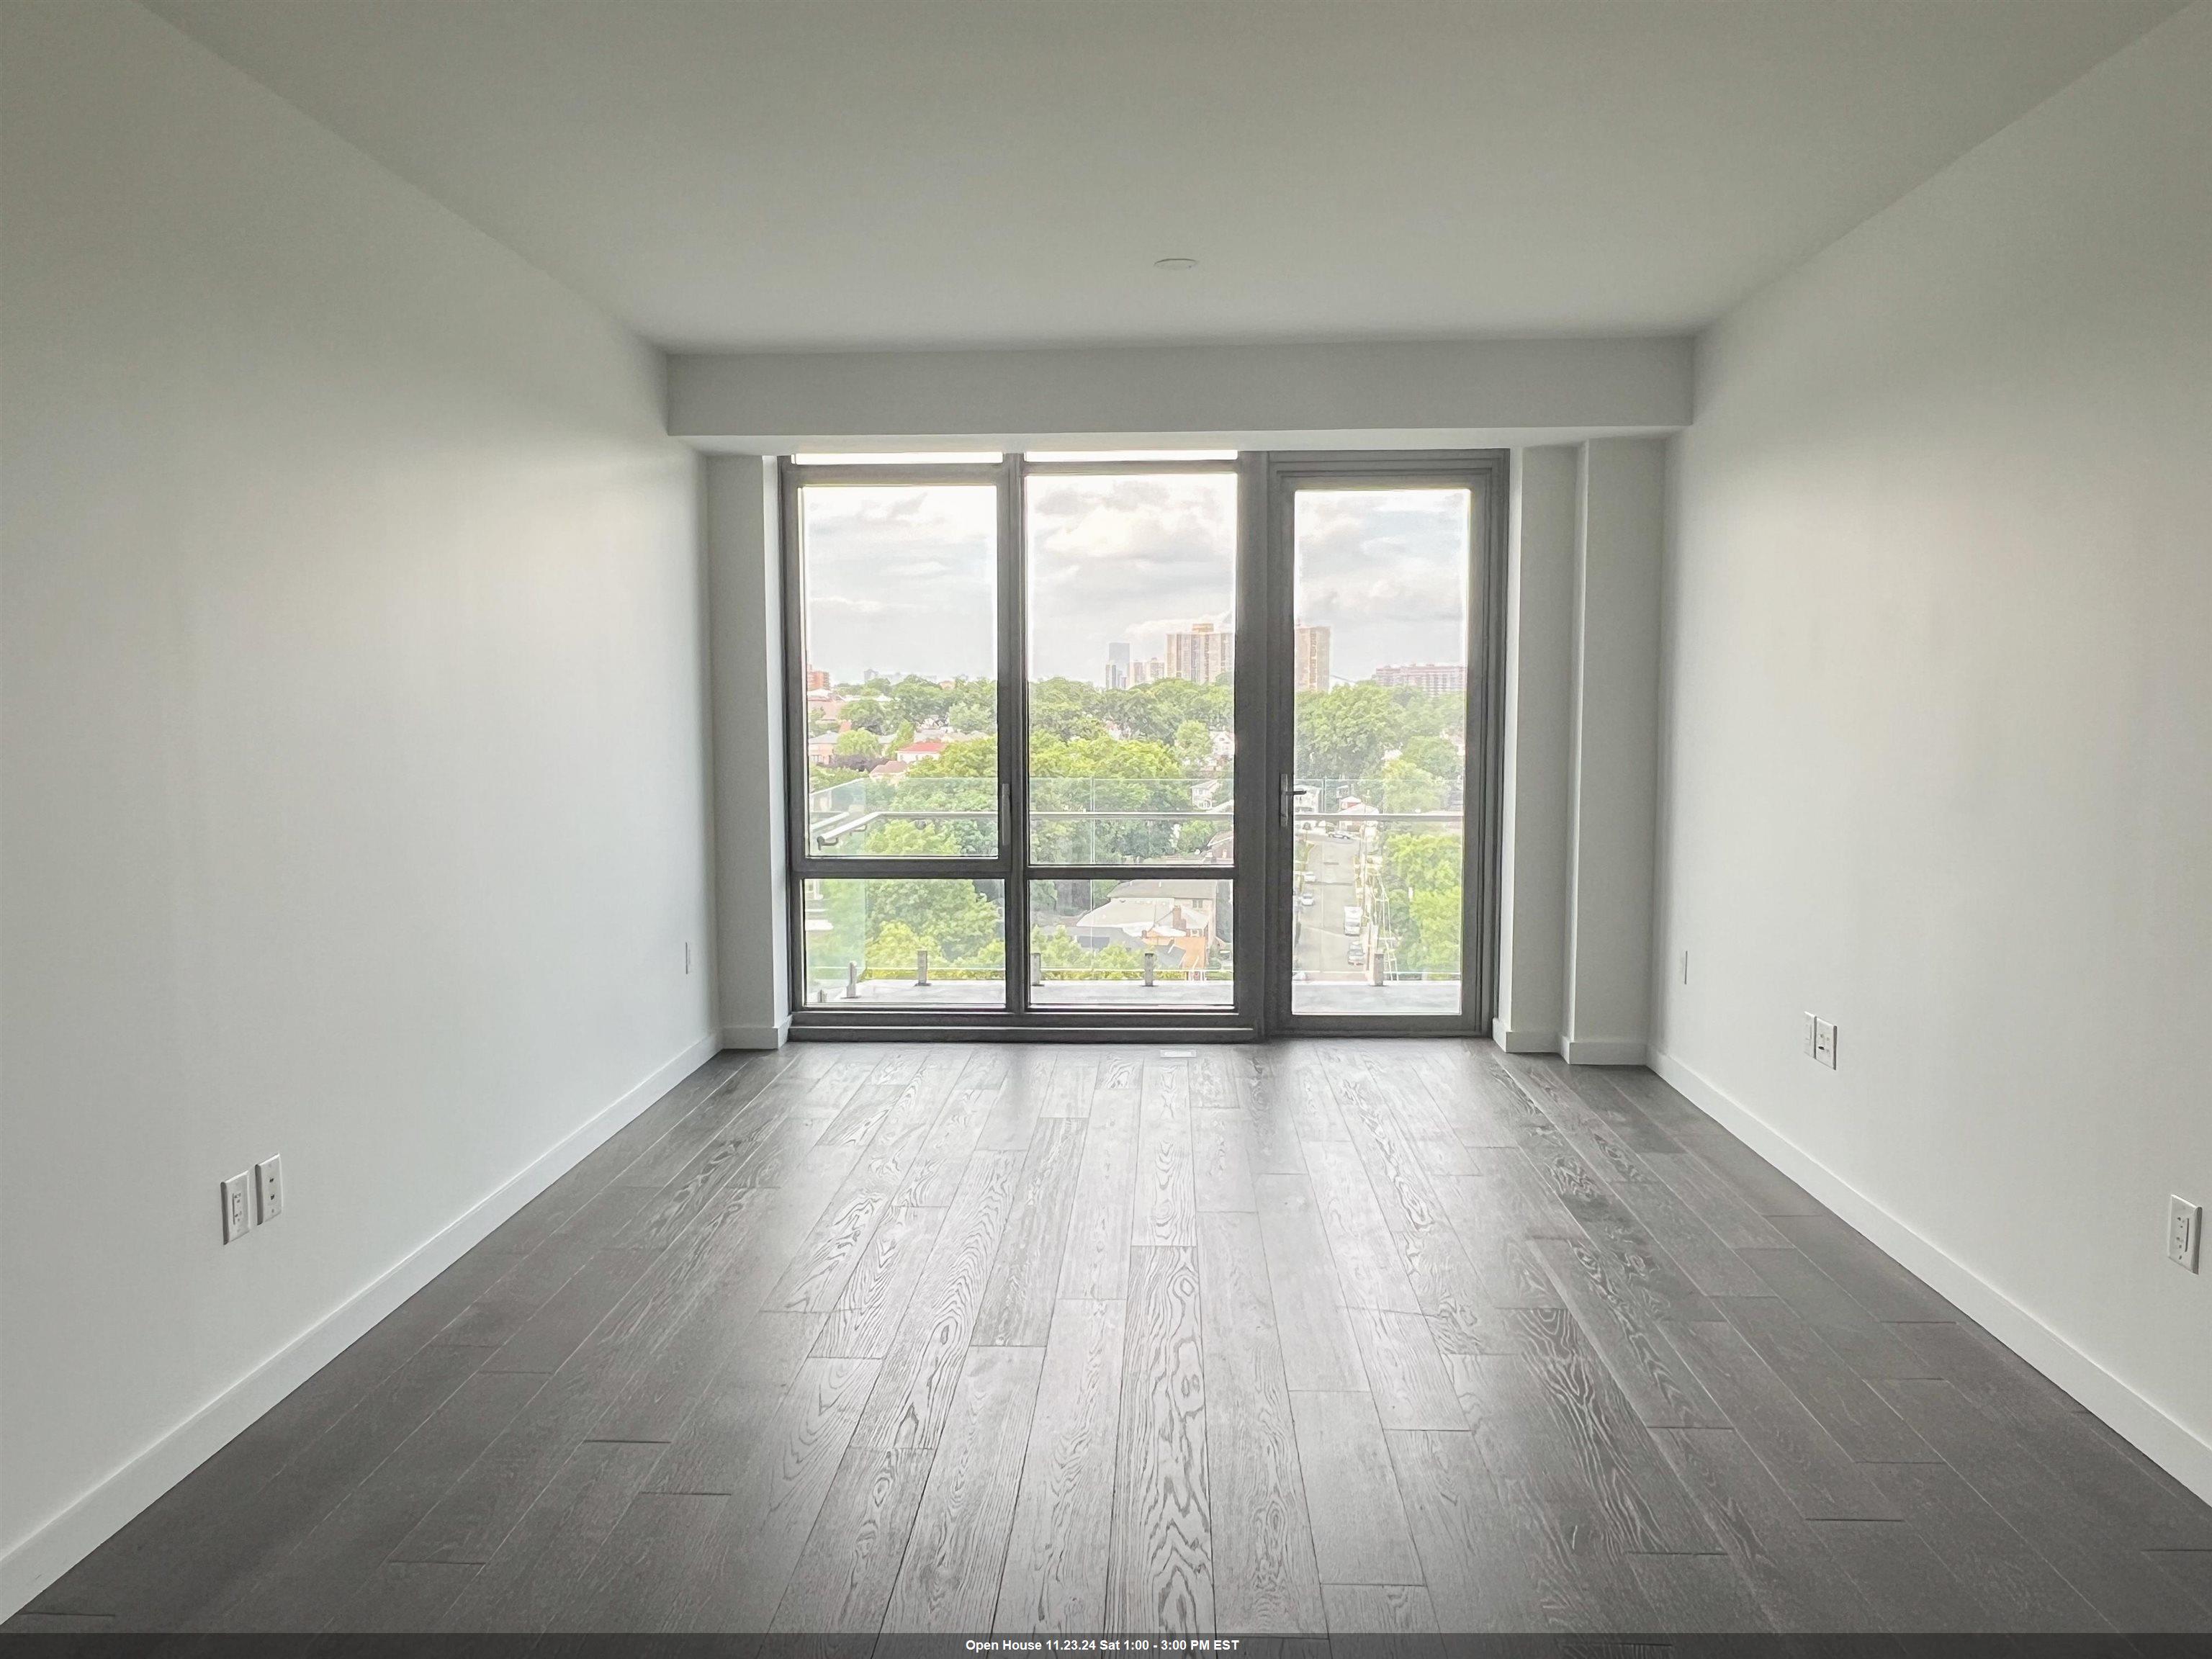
2116	1577
2147	1506
1160	1569
1798	1584
1816	1473
1581	1576
956	1553
1369	1271
1636	1494
657	1573
1701	1593
1095	1264
1474	1557
2019	1590
1054	1578
1319	1349
868	1309
1017	1301
328	1563
1264	1576
1858	1419
555	1540
1481	1212
843	1579
934	1174
1221	1152
1863	1342
783	1478
1764	1188
915	1387
1722	1208
1904	1580
1876	1283
1166	1211
1406	1371
709	1451
1663	1391
1360	1531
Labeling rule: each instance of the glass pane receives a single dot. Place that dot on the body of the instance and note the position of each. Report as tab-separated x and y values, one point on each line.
1132	656
905	944
1156	944
1381	672
899	587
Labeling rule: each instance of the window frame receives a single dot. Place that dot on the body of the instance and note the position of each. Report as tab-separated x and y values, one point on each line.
1264	574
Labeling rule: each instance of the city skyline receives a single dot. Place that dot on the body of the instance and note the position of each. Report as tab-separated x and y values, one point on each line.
902	579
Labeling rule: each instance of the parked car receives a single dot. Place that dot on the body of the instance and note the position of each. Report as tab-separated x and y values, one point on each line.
1357	956
1353	917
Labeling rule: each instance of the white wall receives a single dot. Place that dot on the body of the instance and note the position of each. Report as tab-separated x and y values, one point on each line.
752	969
1620	529
1536	812
1429	394
1939	729
1581	672
354	765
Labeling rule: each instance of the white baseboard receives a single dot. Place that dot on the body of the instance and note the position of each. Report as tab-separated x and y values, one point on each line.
757	1036
58	1543
1592	1051
2139	1421
1528	1043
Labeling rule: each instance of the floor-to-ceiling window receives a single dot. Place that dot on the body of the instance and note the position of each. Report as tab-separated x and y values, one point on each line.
1038	703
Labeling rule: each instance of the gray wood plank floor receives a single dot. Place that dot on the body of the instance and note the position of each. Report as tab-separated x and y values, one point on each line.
1303	1339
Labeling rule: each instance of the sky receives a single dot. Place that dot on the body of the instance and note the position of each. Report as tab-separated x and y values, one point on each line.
901	579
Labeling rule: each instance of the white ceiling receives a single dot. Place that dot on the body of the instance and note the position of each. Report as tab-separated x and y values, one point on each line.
830	173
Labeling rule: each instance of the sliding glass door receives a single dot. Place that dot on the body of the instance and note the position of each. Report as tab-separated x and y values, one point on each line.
1119	741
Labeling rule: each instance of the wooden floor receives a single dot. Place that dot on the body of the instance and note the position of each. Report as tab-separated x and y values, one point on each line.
1307	1338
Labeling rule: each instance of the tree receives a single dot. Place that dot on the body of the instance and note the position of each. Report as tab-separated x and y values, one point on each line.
1193	744
855	750
1407	788
1436	756
872	715
1342	734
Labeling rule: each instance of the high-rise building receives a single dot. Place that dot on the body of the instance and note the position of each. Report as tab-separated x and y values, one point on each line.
1144	673
1309	656
1432	677
1202	654
817	679
1117	665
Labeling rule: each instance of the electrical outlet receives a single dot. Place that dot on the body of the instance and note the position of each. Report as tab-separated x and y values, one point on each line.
2184	1229
237	1206
1823	1042
1811	1036
269	1188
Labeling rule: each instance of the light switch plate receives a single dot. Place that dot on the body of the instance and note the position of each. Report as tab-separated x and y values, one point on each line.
269	1188
1811	1036
237	1206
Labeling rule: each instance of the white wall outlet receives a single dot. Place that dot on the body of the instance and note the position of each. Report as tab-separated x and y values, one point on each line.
2184	1232
1823	1042
269	1188
1811	1036
237	1206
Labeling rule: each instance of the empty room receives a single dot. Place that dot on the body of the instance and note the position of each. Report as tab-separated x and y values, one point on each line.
927	827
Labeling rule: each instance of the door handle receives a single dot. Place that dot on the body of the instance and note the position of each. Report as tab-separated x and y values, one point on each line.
1288	790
